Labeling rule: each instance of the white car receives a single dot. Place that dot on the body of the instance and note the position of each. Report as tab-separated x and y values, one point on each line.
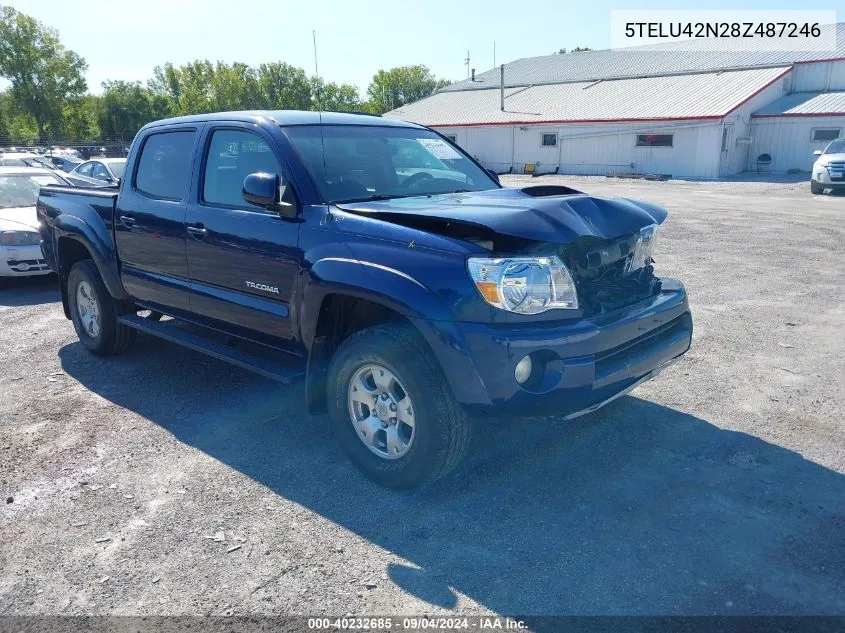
20	250
829	168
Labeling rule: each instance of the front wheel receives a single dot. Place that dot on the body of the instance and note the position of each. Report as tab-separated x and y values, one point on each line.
392	410
816	188
94	312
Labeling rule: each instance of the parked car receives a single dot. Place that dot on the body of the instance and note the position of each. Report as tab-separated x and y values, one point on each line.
20	254
407	303
99	172
24	159
65	162
829	168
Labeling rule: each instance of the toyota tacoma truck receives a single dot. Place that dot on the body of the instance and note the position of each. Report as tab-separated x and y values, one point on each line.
375	261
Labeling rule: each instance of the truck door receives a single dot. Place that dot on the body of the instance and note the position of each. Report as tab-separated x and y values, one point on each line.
150	220
243	259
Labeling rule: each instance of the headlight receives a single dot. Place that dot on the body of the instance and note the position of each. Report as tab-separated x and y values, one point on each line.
525	285
644	248
19	238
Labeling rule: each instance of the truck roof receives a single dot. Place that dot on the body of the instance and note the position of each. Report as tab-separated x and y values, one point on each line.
288	117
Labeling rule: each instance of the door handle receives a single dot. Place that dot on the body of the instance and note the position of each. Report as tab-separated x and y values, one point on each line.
197	230
127	220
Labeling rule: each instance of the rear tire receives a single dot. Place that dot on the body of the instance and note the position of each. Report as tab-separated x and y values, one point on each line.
816	188
441	428
94	312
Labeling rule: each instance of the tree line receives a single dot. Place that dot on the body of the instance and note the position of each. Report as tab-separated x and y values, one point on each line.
48	100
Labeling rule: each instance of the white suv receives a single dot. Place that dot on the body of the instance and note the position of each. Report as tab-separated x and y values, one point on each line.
829	168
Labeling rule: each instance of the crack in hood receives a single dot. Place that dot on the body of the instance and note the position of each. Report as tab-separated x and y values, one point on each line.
529	213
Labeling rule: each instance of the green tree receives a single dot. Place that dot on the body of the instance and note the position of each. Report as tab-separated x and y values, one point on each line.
393	88
44	75
283	87
577	49
334	97
126	106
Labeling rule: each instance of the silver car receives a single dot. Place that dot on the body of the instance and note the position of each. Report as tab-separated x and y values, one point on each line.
98	172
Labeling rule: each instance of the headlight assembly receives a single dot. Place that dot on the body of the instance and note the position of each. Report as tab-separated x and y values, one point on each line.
525	285
19	238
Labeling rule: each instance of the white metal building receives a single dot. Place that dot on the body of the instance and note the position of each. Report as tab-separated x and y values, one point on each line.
687	113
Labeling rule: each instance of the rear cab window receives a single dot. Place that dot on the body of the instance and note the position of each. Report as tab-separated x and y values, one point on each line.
164	167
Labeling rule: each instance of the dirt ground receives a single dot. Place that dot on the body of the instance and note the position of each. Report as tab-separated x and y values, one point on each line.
165	482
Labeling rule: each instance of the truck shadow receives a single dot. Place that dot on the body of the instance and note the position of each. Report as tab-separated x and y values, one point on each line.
637	509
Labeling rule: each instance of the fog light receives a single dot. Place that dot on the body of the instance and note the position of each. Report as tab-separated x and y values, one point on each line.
523	370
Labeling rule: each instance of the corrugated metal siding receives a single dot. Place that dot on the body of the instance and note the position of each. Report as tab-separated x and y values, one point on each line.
805	103
709	95
639	61
789	141
601	148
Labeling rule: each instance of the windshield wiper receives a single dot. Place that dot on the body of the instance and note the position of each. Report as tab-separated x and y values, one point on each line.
379	196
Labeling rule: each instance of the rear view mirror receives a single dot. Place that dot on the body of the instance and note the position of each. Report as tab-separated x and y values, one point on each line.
494	175
263	190
818	152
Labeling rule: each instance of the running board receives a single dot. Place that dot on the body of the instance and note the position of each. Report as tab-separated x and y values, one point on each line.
275	371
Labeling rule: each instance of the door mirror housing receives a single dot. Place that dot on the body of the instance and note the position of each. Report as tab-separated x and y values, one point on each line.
818	152
494	175
266	191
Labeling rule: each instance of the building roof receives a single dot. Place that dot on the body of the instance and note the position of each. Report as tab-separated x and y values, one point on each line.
804	104
686	56
694	96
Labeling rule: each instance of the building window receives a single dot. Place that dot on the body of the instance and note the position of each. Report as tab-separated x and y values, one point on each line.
826	134
654	140
451	138
549	140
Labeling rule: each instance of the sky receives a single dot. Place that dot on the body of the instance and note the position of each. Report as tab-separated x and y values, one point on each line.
125	39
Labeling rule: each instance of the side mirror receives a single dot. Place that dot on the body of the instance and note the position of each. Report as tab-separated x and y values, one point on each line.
494	176
264	190
818	152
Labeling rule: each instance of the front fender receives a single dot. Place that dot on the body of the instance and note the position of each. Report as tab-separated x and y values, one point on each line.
405	295
374	282
96	238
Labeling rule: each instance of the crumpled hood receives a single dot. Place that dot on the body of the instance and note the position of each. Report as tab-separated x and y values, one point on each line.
18	219
515	212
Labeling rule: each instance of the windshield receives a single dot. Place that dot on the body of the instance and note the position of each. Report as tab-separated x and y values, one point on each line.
356	162
117	167
21	190
836	147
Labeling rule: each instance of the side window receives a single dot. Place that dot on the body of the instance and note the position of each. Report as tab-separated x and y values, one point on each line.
100	172
85	169
164	168
232	156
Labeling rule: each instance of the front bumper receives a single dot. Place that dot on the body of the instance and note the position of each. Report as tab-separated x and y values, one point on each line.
22	261
585	364
829	178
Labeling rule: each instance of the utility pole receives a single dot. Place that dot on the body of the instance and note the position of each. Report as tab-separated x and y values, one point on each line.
494	53
466	61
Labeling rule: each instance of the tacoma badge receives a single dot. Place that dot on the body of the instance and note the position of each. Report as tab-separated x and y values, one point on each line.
265	288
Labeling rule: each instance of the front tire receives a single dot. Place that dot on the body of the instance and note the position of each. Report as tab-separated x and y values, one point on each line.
816	188
392	410
94	312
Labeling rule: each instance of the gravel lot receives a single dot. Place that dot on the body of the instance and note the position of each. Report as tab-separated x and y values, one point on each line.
164	482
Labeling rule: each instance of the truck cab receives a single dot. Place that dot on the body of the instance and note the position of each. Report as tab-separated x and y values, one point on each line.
376	261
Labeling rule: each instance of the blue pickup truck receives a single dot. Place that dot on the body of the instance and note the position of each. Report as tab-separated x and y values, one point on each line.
379	263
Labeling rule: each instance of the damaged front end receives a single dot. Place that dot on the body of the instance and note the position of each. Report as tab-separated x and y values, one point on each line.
605	247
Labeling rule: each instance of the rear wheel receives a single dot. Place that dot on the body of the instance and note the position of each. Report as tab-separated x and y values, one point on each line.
392	410
94	312
816	187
